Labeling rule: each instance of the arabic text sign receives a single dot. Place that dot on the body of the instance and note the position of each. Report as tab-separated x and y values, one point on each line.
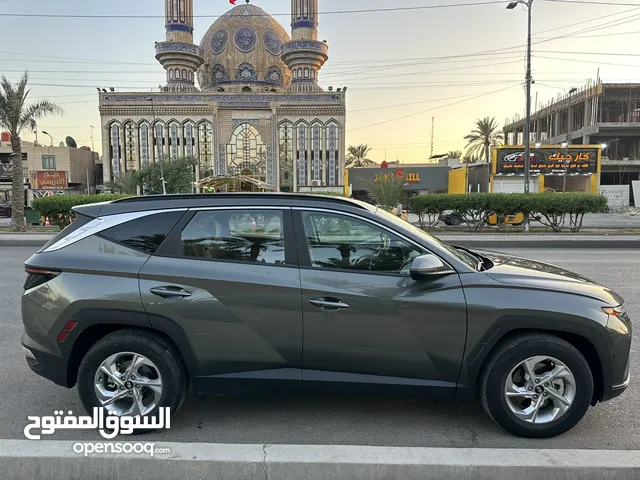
109	426
548	161
51	180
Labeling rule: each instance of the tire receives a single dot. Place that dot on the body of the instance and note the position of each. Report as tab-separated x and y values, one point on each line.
455	221
161	353
507	356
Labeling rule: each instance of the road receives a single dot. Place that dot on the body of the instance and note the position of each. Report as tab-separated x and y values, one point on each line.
339	421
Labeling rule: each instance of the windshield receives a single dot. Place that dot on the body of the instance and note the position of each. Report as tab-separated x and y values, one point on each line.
459	254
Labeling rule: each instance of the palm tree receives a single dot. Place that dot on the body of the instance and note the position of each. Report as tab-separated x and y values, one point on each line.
357	156
483	137
455	154
125	182
15	115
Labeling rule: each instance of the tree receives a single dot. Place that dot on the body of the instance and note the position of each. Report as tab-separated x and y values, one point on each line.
357	156
455	154
178	175
386	191
15	115
125	182
483	137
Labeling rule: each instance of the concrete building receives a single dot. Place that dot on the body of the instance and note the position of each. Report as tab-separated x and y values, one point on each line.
49	170
606	114
257	113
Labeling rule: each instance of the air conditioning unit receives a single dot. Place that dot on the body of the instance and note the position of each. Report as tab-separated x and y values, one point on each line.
316	183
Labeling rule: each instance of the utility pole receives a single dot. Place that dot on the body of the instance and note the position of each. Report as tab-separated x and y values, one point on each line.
93	149
433	130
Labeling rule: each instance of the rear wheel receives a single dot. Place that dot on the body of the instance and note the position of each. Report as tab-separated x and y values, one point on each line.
132	373
536	386
455	220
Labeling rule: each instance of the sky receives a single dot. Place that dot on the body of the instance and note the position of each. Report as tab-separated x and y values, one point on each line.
402	67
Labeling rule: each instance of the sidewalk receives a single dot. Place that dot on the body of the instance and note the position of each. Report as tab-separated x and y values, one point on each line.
43	460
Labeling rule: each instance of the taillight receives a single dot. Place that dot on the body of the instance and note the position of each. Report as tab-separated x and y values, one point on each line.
38	276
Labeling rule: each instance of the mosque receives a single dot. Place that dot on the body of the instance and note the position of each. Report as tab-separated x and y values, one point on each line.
257	119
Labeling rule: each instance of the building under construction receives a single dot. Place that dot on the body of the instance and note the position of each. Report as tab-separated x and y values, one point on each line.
601	113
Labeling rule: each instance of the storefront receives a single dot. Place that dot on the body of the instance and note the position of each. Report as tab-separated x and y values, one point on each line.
575	168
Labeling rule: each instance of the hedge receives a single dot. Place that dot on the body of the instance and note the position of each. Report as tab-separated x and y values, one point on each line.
551	208
59	207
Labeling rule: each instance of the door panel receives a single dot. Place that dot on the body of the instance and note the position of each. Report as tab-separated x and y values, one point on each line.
243	319
396	334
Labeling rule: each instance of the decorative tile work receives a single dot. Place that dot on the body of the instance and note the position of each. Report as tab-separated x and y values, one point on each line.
332	154
189	136
219	74
245	105
222	159
246	12
245	39
302	162
115	142
271	165
274	75
246	73
144	144
316	152
272	41
238	121
305	45
174	142
219	41
159	136
321	97
179	47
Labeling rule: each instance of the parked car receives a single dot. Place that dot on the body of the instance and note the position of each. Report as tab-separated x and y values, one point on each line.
5	209
142	298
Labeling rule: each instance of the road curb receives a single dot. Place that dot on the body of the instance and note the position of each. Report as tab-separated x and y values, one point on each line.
22	459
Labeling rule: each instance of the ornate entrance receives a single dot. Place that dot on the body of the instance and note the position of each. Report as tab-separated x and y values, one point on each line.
247	155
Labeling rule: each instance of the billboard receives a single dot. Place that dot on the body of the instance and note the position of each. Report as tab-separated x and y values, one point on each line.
548	160
51	180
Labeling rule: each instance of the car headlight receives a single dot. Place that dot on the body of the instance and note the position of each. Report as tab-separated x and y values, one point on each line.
618	320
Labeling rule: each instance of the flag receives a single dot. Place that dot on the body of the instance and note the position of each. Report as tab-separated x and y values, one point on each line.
232	2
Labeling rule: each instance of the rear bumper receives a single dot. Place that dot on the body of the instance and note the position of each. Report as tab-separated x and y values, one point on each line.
45	363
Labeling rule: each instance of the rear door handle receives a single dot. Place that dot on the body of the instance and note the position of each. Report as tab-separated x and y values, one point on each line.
168	292
329	303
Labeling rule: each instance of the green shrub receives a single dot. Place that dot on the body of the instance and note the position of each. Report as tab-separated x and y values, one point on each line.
59	207
552	208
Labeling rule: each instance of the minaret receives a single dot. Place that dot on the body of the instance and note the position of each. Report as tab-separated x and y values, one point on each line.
178	55
304	54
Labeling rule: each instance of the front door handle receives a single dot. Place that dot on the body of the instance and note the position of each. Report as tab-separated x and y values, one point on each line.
168	292
329	303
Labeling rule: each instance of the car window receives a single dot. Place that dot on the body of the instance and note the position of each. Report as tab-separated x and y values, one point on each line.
253	236
144	234
340	242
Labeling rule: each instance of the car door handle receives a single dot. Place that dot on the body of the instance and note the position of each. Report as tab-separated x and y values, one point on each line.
167	292
329	303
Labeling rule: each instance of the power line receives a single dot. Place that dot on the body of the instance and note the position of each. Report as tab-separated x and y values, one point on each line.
596	2
288	14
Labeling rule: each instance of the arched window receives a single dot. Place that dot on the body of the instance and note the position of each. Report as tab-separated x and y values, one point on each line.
317	157
188	140
302	155
158	141
246	153
174	141
246	89
333	152
286	142
129	134
143	144
205	148
114	145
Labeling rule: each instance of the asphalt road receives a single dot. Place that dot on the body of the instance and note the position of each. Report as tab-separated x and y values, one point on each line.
340	421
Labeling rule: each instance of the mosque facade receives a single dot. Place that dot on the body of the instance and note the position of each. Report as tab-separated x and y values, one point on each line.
245	102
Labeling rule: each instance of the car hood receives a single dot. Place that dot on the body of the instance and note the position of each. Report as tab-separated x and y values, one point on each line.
527	273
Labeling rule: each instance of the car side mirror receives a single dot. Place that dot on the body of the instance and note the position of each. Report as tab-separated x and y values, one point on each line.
428	265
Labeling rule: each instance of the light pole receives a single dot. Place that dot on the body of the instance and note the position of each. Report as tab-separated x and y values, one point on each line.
527	125
153	112
49	137
567	142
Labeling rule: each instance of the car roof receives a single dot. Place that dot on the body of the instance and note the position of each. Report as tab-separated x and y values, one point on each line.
166	202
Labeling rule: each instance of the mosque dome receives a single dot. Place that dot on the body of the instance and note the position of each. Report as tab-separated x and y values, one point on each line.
242	49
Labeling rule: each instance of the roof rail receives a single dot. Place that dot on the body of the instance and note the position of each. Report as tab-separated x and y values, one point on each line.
194	196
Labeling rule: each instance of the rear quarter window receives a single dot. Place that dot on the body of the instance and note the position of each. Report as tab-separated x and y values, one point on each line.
144	234
79	221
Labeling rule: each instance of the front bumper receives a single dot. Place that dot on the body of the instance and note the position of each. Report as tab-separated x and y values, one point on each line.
45	363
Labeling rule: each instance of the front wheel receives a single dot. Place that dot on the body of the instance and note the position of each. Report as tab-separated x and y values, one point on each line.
536	386
131	373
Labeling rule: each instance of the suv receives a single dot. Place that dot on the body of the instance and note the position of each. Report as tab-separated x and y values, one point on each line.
142	298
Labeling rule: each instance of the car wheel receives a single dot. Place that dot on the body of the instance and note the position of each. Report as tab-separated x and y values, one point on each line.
455	221
536	386
131	373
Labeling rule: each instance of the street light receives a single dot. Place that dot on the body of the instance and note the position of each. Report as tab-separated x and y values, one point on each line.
49	137
153	112
527	125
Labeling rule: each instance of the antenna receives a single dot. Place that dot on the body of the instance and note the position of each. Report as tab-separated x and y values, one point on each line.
433	130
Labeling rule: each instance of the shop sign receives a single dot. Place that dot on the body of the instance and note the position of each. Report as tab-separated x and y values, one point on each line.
51	180
410	177
547	161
